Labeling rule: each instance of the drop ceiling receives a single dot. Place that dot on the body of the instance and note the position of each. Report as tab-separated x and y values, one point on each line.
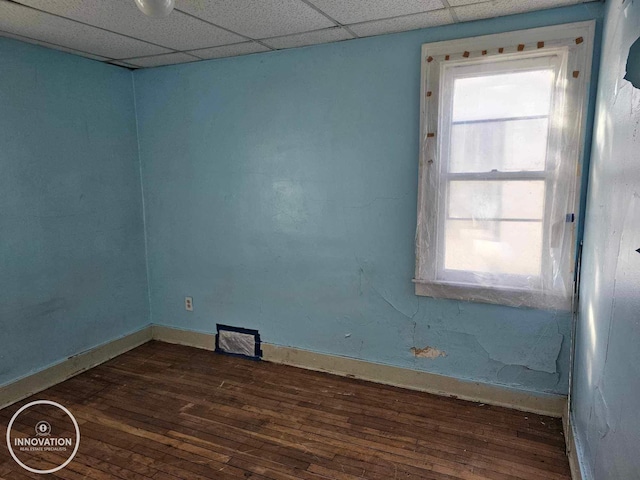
115	31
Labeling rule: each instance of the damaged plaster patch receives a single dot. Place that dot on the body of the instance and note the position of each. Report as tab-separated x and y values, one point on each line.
536	351
519	375
633	64
427	352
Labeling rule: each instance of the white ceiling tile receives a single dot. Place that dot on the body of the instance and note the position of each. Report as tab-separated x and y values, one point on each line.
67	33
49	45
177	31
116	29
497	8
230	50
355	11
334	34
401	24
258	18
159	60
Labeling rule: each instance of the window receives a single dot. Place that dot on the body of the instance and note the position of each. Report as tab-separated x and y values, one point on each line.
501	129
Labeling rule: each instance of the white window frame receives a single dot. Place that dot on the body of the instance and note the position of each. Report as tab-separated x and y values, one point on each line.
572	45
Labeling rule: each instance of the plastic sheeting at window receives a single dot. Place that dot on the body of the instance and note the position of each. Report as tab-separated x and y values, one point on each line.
501	138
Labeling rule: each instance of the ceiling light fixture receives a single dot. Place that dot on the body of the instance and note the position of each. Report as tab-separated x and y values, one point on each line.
156	8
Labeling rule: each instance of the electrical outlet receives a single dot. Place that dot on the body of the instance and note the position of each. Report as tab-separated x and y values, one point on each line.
188	304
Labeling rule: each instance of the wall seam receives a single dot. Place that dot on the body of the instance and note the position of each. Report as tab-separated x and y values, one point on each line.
585	180
144	210
583	464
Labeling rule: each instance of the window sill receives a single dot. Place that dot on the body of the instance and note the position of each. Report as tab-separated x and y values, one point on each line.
493	295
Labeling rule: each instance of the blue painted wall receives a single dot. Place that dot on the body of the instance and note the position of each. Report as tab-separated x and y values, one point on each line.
606	384
72	261
280	192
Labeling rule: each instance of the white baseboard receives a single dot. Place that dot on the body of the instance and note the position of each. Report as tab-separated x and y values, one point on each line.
48	377
551	405
544	404
571	447
206	341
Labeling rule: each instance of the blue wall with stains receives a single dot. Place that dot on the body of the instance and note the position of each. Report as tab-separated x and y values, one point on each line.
72	260
606	384
280	192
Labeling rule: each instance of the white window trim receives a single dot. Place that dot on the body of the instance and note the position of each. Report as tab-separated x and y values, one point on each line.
426	283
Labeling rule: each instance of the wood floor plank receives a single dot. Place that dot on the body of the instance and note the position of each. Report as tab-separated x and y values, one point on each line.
167	412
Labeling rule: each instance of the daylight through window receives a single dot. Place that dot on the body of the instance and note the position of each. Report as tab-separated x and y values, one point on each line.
501	141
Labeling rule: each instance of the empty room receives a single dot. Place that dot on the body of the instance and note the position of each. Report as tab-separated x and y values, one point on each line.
320	239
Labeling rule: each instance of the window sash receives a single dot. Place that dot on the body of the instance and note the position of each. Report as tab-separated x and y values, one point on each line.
551	61
556	277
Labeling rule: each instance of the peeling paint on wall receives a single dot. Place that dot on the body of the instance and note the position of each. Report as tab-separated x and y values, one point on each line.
606	384
427	352
539	354
633	64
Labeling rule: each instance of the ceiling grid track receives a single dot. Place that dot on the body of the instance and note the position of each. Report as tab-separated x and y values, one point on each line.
116	32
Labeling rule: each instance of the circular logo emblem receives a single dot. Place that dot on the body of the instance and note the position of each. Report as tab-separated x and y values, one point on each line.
43	428
58	434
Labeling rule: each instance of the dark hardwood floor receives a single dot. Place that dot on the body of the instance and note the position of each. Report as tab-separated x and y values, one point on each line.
170	412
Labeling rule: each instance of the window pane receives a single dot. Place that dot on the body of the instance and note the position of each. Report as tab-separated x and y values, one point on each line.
479	200
494	247
520	94
506	146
